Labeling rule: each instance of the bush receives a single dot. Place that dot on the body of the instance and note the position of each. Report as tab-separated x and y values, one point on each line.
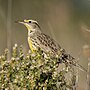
34	71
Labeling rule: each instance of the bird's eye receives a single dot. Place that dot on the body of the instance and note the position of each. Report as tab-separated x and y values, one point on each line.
29	21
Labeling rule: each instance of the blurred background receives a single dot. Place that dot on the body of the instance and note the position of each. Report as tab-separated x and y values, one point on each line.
67	21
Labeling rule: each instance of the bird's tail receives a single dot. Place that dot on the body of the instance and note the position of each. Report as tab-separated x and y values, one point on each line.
79	66
71	60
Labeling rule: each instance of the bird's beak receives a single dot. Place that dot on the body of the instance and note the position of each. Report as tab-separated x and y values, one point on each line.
22	22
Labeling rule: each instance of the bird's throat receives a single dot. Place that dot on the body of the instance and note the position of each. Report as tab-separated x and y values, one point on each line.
27	26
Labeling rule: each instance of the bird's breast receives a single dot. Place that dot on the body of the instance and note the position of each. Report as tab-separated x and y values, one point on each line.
33	44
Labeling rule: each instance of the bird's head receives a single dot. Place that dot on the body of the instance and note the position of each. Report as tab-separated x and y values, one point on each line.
31	25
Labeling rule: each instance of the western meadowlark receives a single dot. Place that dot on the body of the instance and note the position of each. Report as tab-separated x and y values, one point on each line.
37	39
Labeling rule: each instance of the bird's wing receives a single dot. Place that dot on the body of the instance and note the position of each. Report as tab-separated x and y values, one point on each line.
48	42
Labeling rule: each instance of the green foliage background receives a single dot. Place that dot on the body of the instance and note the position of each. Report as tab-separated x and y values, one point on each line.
35	71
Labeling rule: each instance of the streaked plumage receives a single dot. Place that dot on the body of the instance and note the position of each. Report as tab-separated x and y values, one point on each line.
38	39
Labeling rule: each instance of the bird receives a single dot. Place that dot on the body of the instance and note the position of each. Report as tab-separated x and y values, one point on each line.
38	39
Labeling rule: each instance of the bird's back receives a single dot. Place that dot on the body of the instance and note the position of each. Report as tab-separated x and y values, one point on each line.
47	43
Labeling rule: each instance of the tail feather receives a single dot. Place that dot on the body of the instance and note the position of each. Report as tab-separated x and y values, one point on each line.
80	67
71	60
